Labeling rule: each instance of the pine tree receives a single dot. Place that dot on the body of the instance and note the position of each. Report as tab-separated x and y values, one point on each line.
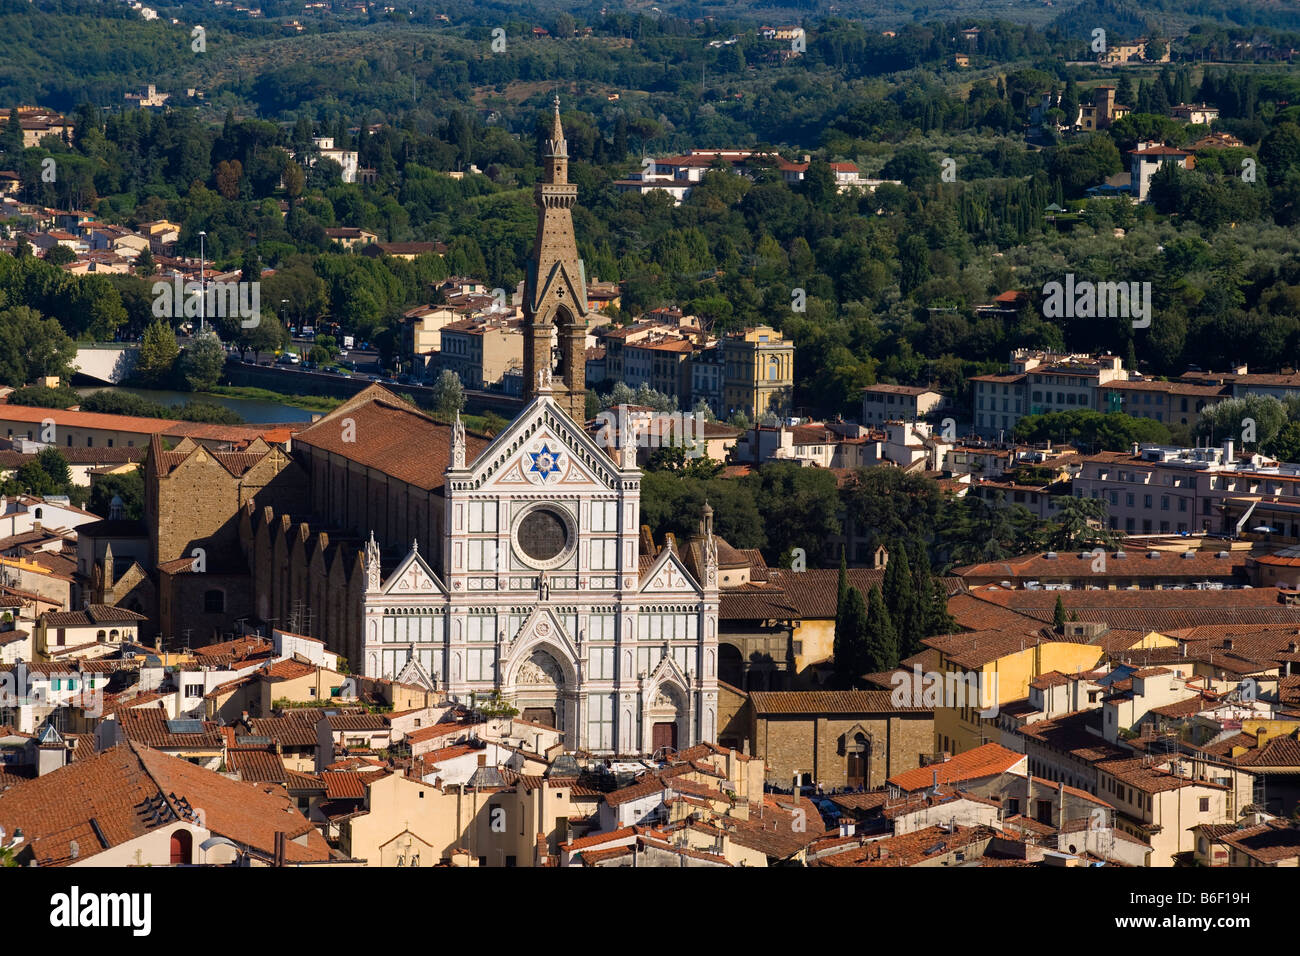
1058	614
852	635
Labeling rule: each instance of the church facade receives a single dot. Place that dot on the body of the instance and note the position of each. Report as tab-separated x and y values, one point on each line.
541	594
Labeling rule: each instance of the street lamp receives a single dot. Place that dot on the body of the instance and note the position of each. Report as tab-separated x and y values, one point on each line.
203	291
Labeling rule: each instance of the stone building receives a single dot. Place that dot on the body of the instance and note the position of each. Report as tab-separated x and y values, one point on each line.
837	738
193	498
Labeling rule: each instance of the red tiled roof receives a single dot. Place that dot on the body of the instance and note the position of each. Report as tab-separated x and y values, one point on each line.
257	765
985	761
343	785
148	725
801	703
101	802
391	437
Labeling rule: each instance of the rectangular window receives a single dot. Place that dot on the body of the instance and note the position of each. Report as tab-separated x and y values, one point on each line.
604	516
482	516
480	628
483	554
600	663
600	721
600	627
604	554
478	663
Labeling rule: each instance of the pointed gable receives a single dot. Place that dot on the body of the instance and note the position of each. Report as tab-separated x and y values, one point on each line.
413	576
668	575
542	448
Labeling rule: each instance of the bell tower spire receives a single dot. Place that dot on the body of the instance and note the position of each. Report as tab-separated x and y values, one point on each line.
555	292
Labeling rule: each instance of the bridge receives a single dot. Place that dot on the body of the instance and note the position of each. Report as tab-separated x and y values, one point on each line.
108	362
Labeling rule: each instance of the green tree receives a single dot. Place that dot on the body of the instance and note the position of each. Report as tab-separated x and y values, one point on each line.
1058	615
128	486
158	354
202	362
33	347
42	397
1252	421
882	642
932	599
899	591
852	639
60	255
144	263
448	394
1080	523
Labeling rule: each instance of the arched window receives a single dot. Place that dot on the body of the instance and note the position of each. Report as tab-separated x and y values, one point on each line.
214	601
113	635
100	635
39	513
773	370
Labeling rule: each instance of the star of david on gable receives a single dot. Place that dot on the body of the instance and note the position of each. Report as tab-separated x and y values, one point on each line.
545	462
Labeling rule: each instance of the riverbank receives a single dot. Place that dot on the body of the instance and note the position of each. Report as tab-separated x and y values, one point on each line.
311	403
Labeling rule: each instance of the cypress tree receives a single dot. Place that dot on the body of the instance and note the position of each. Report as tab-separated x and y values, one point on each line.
882	638
1058	615
932	599
852	635
903	601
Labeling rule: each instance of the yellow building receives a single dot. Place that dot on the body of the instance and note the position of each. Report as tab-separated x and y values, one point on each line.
982	670
758	374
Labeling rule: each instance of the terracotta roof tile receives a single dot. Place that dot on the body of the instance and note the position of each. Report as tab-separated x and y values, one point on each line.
780	703
102	802
391	437
985	761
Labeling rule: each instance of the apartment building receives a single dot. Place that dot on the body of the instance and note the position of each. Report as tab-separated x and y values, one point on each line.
1164	489
661	361
1038	383
482	351
758	372
1173	403
706	371
1241	382
893	403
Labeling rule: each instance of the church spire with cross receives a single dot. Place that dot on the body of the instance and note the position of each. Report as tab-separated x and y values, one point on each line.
555	292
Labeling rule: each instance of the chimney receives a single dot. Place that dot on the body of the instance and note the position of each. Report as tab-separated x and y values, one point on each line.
1135	449
1227	451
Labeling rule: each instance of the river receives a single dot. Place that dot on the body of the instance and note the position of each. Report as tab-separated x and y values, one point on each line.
254	411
